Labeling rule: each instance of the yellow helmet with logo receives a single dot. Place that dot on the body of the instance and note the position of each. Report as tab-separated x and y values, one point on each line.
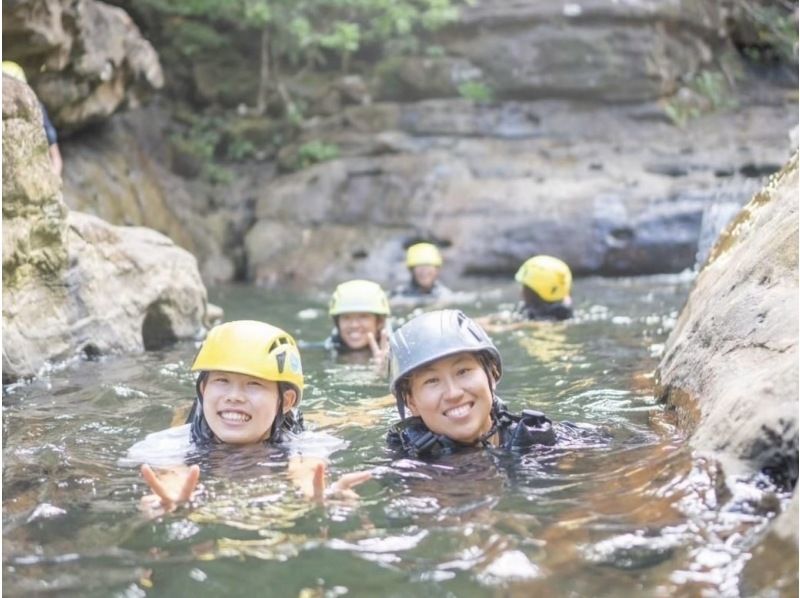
14	70
252	348
359	296
547	276
423	254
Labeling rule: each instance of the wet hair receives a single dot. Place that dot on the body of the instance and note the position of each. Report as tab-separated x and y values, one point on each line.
403	385
532	299
283	422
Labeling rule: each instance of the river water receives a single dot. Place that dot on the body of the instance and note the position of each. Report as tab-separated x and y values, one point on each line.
627	511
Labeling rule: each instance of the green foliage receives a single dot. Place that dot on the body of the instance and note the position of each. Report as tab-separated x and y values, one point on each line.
219	175
315	151
776	29
199	142
240	149
707	91
476	91
192	36
302	30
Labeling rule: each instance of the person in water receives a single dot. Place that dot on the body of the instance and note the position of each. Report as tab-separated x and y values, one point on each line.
359	309
546	285
424	262
444	369
249	386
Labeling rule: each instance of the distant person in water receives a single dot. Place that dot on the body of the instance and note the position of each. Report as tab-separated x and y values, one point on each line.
424	261
249	385
546	285
360	310
12	69
444	369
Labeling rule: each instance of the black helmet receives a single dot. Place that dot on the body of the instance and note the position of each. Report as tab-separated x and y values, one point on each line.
431	336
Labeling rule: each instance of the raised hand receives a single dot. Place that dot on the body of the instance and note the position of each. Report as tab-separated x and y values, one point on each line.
380	351
341	488
171	488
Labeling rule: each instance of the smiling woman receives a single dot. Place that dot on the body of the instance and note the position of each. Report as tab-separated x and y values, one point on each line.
249	385
359	309
444	369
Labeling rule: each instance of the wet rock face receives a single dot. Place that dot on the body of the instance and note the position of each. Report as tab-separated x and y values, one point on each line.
498	183
122	176
34	229
93	58
734	352
73	284
597	50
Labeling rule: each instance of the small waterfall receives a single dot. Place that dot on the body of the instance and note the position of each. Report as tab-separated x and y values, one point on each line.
728	199
715	218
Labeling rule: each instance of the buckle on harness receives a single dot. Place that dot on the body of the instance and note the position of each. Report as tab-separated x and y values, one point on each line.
422	444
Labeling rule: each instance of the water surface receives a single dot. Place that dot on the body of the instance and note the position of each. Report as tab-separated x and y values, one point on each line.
628	510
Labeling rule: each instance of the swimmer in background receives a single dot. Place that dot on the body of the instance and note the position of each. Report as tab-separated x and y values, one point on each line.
545	287
360	312
424	263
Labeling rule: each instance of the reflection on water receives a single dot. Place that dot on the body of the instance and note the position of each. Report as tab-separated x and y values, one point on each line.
620	507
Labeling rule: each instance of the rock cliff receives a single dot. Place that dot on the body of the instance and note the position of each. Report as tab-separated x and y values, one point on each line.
730	368
73	284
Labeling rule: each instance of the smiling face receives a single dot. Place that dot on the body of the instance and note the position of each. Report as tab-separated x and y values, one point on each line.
453	397
425	276
354	327
240	409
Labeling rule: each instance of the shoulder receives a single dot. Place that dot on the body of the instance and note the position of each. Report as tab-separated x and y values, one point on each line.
441	290
308	443
402	290
166	447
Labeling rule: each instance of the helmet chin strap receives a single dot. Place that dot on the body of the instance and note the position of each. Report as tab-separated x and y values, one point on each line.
277	423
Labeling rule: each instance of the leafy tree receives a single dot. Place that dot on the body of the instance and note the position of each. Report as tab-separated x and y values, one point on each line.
304	32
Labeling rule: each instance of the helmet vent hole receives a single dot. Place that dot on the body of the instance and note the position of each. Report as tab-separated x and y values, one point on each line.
281	340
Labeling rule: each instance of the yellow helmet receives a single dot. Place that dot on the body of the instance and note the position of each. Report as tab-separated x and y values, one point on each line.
423	254
547	276
252	348
14	70
359	296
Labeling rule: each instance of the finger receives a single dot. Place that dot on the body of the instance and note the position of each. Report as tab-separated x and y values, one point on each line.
155	484
385	341
319	481
373	345
349	480
189	484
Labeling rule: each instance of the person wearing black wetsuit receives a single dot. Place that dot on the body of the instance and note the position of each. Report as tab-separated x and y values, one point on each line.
444	369
546	284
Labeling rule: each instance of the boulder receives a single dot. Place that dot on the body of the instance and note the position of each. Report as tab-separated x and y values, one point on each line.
730	368
73	284
84	58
